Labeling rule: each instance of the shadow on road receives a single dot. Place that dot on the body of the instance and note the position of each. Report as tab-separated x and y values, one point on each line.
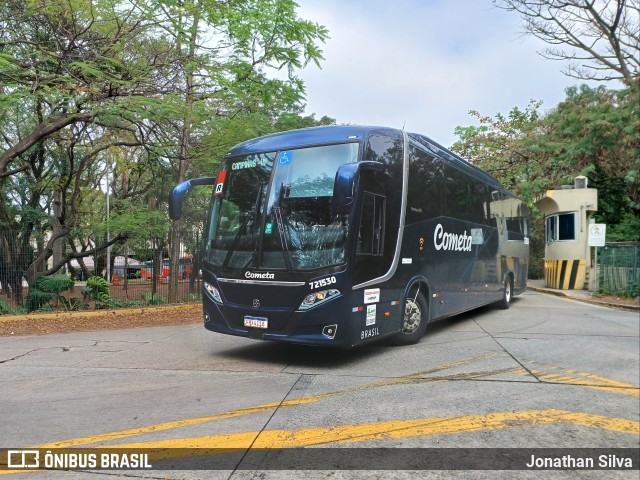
268	352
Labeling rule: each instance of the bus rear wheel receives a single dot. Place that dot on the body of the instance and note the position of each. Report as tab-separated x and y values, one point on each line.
507	293
414	322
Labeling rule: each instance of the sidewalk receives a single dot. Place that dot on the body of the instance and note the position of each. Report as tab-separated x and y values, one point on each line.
583	296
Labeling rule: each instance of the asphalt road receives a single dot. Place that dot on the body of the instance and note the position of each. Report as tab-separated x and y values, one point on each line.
547	373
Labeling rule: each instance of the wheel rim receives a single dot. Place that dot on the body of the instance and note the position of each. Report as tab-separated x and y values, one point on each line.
507	291
412	316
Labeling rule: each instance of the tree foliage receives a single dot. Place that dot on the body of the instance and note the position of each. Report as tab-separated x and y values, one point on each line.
599	39
132	90
593	132
501	145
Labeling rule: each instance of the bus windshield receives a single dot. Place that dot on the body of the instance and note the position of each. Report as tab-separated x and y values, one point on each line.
273	210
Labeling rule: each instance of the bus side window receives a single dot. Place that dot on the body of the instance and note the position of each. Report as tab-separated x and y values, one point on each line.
371	232
425	186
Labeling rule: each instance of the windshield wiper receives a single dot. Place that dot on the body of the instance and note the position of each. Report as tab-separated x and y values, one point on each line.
248	216
283	238
236	240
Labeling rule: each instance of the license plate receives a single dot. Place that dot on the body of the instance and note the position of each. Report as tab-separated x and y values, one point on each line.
256	322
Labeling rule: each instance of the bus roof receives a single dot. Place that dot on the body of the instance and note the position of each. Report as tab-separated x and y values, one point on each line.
306	137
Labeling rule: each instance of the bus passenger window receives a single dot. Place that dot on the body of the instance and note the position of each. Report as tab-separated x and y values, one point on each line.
371	232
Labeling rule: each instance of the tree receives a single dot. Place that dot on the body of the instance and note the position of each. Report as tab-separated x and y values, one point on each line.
77	62
595	132
600	39
222	55
501	145
84	83
78	78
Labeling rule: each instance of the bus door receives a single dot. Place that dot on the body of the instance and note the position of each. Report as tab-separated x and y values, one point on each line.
375	237
370	261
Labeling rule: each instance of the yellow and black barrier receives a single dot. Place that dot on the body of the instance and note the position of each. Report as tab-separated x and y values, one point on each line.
564	274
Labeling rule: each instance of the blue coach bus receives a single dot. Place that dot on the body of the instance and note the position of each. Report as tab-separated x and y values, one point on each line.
343	235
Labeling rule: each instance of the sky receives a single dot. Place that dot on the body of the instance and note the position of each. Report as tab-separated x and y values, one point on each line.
424	64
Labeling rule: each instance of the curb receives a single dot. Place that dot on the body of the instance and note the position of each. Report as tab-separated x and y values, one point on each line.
120	312
560	293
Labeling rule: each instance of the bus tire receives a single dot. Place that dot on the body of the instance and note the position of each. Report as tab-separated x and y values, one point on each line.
414	321
507	294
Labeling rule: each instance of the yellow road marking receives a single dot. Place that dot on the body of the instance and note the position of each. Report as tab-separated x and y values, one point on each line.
608	385
105	437
412	378
221	443
589	380
391	430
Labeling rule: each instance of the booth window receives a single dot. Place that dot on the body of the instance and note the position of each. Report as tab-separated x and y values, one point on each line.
561	226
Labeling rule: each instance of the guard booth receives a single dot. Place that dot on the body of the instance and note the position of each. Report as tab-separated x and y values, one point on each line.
567	214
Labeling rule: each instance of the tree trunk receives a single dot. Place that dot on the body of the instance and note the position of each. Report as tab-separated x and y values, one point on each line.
184	152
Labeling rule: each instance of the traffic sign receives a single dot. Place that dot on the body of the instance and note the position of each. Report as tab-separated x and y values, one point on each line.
597	234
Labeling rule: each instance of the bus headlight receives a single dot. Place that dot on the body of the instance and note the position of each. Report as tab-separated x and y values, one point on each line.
213	292
317	298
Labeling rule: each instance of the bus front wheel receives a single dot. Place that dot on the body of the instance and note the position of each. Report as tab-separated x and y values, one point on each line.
414	322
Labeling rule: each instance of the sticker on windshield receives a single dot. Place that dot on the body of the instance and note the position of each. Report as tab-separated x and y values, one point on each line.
285	158
220	182
257	162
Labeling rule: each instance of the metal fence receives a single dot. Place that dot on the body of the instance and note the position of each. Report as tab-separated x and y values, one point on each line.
619	270
132	275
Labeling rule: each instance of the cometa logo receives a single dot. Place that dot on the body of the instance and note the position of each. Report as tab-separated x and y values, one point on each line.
259	276
451	241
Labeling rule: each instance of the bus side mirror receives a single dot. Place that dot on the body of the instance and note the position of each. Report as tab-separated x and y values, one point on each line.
345	181
176	198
